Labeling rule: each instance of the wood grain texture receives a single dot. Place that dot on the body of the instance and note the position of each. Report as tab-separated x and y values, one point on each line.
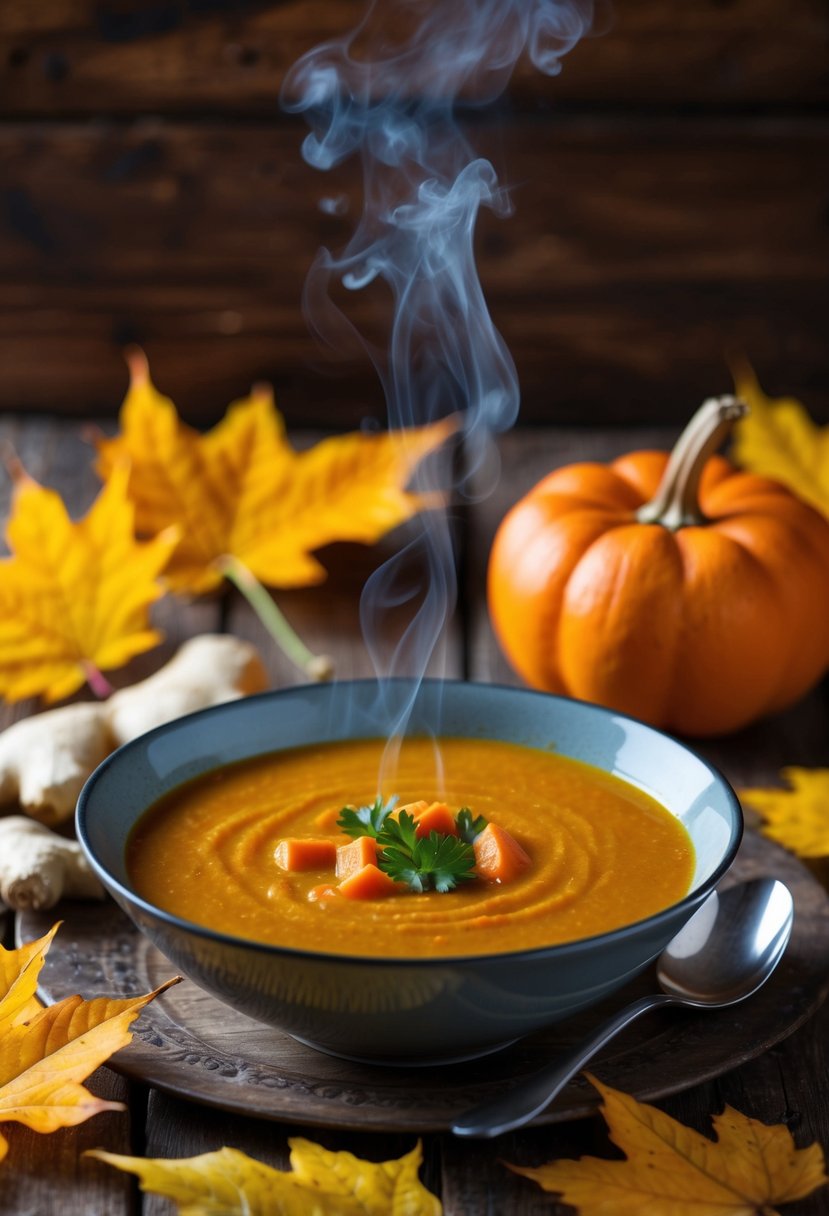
125	56
637	258
41	1173
782	1087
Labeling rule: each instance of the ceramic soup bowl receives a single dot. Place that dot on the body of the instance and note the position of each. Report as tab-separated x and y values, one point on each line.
399	1010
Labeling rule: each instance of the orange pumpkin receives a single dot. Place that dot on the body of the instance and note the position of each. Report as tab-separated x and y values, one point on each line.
676	589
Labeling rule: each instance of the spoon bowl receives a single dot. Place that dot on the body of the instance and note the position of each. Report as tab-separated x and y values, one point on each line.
730	946
723	954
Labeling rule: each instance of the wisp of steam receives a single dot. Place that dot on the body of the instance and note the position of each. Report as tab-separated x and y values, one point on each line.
389	92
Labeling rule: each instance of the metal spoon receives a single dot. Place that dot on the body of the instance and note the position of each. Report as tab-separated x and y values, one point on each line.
724	953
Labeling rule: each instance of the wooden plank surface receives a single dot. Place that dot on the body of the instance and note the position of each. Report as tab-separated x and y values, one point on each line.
43	1174
125	56
638	257
154	193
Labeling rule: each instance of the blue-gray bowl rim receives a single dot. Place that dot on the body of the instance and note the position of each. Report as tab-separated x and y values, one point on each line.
535	954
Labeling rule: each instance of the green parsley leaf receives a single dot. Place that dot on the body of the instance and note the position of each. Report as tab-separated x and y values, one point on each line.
469	826
435	861
366	820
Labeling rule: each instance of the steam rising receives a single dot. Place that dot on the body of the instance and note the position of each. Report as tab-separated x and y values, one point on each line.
388	92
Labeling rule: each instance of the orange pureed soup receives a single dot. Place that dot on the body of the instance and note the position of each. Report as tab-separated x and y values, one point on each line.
602	854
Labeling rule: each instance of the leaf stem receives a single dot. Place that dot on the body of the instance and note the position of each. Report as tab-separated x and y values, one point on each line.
97	681
315	666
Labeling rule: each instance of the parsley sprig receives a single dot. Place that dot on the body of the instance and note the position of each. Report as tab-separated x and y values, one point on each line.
436	862
469	826
425	863
366	820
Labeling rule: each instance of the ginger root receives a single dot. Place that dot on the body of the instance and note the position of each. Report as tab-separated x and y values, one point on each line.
207	670
38	867
45	759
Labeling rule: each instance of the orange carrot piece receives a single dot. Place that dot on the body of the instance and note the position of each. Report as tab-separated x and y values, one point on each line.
353	856
368	883
411	808
435	818
324	891
295	854
498	855
429	817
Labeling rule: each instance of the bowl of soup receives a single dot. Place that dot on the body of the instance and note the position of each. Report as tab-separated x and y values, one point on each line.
512	858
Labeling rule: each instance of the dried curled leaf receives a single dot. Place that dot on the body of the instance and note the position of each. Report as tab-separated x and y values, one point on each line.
45	1054
241	491
798	816
229	1183
778	439
672	1170
74	596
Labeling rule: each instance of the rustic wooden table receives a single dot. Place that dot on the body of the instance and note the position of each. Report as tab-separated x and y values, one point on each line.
47	1174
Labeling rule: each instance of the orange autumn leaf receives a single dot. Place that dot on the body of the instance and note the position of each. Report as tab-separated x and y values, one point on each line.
229	1183
45	1054
74	596
672	1170
778	439
242	492
797	816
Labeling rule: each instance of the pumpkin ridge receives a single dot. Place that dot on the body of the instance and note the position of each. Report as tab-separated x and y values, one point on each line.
641	471
728	693
608	491
671	682
552	609
747	494
796	638
627	616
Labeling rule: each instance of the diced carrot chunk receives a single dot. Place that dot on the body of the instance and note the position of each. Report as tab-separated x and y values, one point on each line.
325	890
498	855
430	817
435	818
295	853
353	856
368	883
411	808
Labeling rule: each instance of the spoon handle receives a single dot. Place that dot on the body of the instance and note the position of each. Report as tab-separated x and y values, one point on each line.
530	1097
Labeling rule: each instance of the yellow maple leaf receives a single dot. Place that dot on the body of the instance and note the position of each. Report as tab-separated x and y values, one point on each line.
241	492
797	817
672	1170
322	1183
45	1054
74	596
778	439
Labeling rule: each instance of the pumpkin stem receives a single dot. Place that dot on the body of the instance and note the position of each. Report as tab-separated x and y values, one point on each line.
676	503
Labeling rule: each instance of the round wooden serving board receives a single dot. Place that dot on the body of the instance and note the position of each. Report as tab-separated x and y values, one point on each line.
195	1047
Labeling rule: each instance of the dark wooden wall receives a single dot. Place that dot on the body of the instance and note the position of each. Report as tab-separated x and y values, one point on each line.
672	206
